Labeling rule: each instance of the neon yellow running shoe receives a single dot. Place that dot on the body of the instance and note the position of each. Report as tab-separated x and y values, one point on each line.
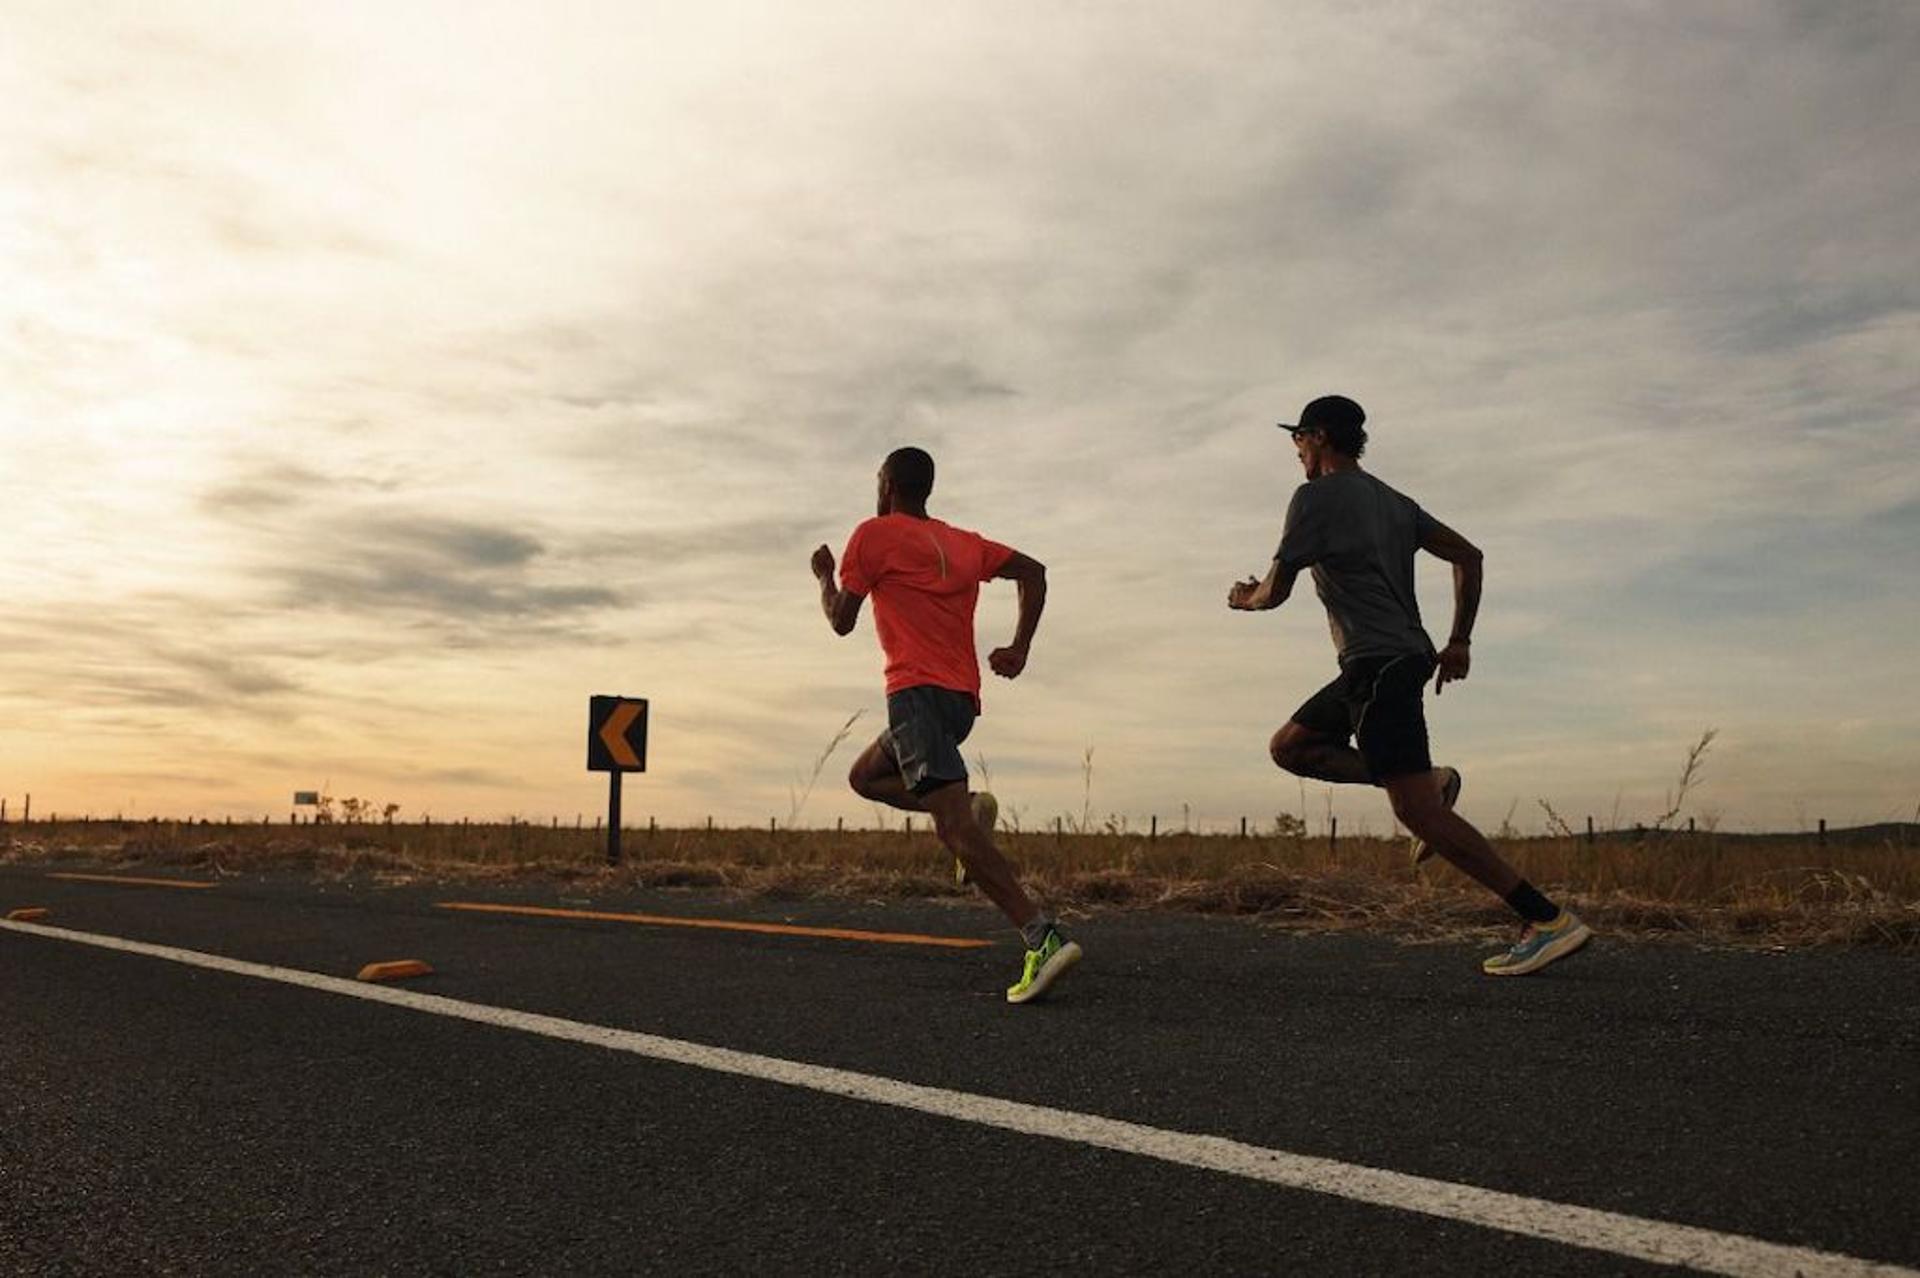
1043	967
986	812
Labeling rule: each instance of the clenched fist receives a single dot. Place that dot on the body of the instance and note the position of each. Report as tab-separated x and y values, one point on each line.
1008	662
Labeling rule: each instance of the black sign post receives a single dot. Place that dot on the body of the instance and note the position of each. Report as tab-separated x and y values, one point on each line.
616	745
613	816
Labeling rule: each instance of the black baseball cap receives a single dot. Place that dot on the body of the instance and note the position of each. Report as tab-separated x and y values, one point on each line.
1328	410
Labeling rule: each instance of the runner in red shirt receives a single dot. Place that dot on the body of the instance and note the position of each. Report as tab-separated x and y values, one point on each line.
924	577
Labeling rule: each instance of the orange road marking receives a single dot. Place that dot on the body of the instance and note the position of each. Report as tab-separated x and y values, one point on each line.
28	914
123	878
395	970
724	925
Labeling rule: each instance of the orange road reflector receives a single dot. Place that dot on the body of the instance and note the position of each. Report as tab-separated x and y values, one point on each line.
396	970
137	882
724	925
30	914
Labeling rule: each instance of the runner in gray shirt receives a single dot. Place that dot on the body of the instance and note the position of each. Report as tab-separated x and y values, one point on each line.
1357	537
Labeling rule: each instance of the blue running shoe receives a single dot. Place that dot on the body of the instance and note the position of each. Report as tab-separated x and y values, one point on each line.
1539	945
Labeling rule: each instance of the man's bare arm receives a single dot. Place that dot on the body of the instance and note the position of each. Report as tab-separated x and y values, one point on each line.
1455	659
1031	577
1258	596
842	607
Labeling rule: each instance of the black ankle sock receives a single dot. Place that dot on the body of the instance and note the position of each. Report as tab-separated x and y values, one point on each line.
1530	905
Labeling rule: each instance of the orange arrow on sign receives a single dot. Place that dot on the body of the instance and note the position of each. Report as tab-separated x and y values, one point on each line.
613	734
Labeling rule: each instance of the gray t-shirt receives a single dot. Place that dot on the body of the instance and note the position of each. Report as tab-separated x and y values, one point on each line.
1359	537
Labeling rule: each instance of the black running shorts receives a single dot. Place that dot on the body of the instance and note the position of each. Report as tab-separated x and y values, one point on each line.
1378	701
925	726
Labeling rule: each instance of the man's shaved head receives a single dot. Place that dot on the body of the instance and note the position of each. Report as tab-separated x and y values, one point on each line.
911	471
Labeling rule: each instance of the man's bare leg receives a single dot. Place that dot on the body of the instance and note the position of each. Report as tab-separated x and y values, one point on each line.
1049	955
1551	933
1306	753
876	775
1416	801
953	822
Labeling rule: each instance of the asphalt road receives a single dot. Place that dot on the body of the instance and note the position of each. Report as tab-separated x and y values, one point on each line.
158	1117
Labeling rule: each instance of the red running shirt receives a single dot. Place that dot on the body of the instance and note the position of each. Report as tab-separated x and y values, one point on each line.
924	578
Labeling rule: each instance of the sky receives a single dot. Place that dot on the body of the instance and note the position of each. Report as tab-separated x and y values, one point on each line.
379	382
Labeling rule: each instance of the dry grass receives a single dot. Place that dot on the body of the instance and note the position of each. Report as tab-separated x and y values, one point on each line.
1710	887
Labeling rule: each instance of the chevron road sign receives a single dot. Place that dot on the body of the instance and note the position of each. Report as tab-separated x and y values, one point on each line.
616	745
617	734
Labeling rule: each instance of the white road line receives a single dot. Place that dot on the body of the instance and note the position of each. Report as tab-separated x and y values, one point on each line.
1654	1240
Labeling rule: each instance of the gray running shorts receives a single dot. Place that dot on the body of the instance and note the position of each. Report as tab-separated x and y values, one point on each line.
925	726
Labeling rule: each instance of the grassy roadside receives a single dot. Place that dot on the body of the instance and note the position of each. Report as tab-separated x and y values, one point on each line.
1708	887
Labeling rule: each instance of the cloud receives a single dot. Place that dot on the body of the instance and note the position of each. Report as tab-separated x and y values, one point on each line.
261	489
137	656
459	602
473	580
463	544
709	547
473	778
